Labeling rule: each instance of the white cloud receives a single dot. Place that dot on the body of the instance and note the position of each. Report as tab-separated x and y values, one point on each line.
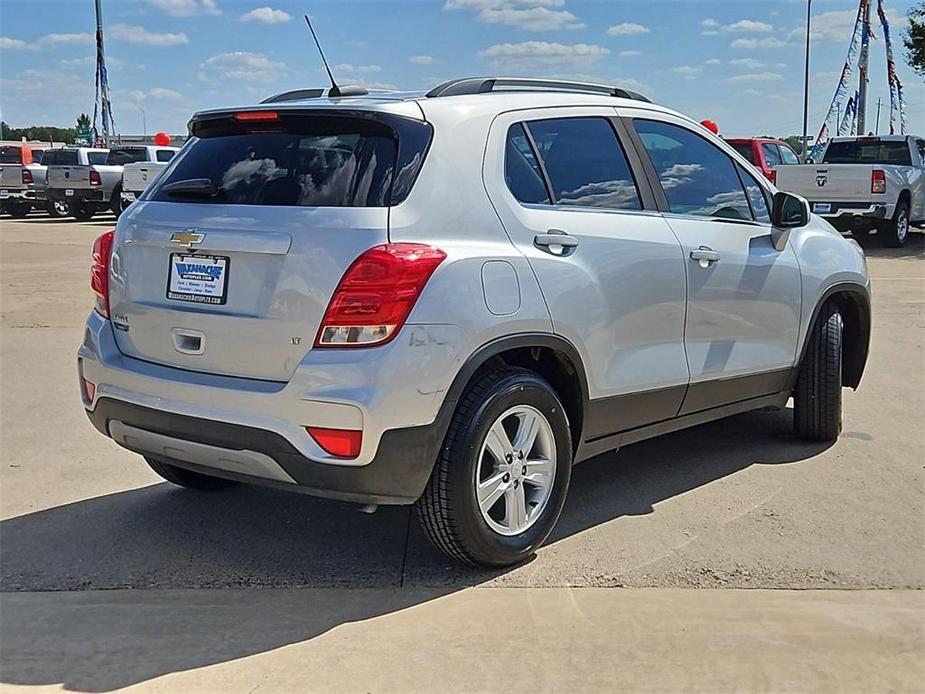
422	60
687	71
747	63
748	26
187	8
836	26
627	29
266	15
529	15
137	34
359	69
59	39
540	53
756	77
769	42
111	61
629	54
242	65
709	24
157	93
11	44
713	61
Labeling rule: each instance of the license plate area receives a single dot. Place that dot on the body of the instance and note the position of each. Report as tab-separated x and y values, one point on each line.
822	207
199	279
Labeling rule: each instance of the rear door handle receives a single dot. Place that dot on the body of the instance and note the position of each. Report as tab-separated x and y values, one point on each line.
555	242
704	255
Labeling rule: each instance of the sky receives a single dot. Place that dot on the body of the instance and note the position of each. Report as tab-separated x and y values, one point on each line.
737	62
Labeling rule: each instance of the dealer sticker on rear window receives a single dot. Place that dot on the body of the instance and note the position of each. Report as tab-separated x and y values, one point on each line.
202	279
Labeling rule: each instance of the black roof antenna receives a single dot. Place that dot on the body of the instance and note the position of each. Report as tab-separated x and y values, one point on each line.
335	90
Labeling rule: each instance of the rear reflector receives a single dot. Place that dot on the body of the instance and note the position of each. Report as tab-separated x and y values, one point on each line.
878	181
95	179
376	294
99	271
89	391
772	176
343	443
256	116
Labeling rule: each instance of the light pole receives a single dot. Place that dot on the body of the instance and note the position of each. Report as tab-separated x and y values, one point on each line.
144	121
809	14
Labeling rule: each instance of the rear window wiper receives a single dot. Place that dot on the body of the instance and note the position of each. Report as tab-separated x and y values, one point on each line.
194	187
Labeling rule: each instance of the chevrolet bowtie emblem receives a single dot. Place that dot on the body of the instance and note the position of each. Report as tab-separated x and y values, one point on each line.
187	238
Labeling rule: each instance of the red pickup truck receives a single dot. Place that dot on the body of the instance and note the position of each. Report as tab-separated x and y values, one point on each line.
765	154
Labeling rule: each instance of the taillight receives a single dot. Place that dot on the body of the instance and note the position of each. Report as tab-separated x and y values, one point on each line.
878	181
376	294
256	116
95	179
772	176
27	177
343	443
99	271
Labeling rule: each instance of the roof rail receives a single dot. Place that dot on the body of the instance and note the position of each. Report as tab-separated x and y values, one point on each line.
316	93
484	85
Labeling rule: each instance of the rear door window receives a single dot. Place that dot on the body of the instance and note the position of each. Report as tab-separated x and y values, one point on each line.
96	157
126	155
788	156
585	163
697	177
316	160
756	196
771	154
521	169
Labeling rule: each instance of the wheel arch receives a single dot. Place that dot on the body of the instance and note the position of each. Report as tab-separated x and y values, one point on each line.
853	301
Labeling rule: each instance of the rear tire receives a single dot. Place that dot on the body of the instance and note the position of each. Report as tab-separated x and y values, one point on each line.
17	210
57	209
521	495
188	478
82	213
893	233
817	398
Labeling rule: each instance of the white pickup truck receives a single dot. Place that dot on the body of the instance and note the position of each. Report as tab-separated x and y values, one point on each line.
872	184
138	176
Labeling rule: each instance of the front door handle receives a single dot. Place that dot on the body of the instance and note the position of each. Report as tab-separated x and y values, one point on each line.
704	256
555	241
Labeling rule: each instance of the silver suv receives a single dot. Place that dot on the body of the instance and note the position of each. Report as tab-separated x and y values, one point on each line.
448	299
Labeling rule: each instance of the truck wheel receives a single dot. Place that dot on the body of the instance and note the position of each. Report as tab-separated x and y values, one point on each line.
894	232
499	484
57	208
187	478
18	210
115	203
82	213
817	396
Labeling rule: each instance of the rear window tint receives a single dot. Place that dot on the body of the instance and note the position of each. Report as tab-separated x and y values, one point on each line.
164	154
771	154
317	160
97	157
788	156
126	155
38	156
868	152
521	170
10	155
60	157
745	149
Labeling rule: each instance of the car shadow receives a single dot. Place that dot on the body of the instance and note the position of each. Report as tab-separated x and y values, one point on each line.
160	537
914	249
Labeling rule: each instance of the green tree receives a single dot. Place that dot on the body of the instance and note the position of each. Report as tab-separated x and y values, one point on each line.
914	38
83	121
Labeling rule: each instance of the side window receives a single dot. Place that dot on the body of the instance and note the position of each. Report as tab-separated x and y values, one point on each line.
920	144
697	177
756	196
771	154
788	156
521	170
585	163
164	154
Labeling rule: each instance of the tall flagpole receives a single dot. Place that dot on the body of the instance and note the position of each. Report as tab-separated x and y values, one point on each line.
863	70
809	14
102	81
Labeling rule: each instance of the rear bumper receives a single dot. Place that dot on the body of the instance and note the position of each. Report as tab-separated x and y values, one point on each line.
846	216
81	195
22	194
396	475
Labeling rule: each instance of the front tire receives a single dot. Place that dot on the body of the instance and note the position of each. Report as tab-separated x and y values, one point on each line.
817	398
188	478
500	483
895	231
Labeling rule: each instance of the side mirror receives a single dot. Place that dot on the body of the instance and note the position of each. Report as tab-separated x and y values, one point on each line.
788	212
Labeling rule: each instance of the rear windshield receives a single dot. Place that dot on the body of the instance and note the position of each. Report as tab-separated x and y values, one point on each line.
126	155
97	157
315	160
868	152
745	149
38	156
10	155
60	157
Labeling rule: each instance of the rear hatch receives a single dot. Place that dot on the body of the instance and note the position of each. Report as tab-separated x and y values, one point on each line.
228	262
65	169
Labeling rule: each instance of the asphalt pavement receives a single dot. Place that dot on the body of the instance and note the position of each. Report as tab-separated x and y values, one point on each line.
111	577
